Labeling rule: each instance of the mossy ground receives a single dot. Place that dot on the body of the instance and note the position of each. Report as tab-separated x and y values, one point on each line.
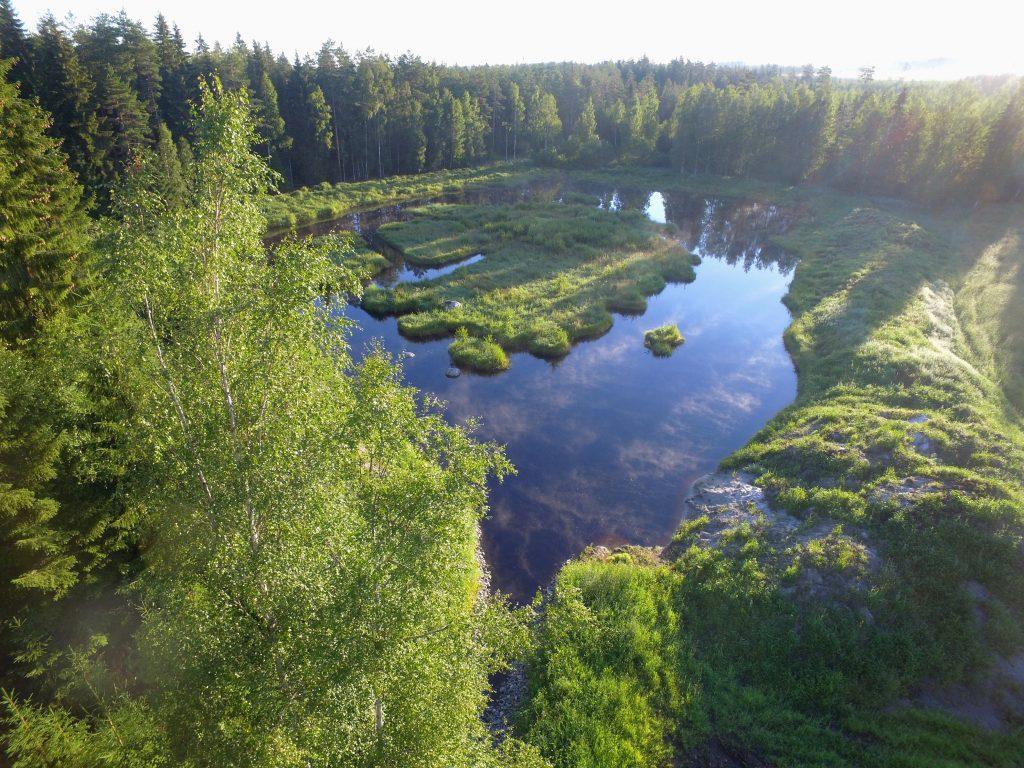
662	341
551	276
907	335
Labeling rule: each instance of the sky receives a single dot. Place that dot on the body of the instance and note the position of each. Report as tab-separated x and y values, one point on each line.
910	39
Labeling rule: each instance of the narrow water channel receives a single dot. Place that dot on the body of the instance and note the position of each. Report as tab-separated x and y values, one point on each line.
607	441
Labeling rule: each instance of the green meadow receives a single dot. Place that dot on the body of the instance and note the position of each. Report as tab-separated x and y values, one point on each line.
323	202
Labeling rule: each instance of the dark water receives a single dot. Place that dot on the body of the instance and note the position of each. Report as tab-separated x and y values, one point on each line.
608	440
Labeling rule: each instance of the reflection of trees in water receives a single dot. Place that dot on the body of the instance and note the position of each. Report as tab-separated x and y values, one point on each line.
737	231
633	199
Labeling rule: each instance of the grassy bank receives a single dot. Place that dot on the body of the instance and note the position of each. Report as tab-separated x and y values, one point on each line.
552	272
877	630
310	205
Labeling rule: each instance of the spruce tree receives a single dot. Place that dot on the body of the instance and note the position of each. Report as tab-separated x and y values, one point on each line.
42	226
66	91
122	128
168	177
175	93
14	45
584	143
269	123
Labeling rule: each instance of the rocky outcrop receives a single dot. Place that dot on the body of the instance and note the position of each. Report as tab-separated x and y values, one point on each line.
822	558
724	510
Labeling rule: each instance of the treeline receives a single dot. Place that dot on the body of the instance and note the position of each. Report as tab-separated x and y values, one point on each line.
115	88
931	143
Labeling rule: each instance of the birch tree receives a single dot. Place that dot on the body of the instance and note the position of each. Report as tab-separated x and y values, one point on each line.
311	591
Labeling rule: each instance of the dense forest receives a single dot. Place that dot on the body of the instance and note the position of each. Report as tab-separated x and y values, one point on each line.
226	541
113	86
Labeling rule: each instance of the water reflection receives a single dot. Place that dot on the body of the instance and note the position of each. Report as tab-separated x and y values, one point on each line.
655	208
401	272
608	442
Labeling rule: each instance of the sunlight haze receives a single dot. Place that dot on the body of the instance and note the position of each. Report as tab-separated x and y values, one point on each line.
913	40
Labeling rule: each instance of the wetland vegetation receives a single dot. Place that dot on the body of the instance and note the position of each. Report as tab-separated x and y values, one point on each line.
238	530
325	201
551	275
899	466
475	354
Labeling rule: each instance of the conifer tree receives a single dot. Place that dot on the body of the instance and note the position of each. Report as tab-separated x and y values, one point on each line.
168	179
175	93
66	91
584	143
14	45
269	124
123	130
42	227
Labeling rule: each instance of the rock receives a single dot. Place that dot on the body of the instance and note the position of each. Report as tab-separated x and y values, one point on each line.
729	500
921	442
453	372
452	304
909	491
405	354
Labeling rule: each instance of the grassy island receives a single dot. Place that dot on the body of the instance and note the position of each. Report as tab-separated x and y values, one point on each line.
663	341
323	202
552	274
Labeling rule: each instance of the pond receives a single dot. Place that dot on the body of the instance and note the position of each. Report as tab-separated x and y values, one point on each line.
608	441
